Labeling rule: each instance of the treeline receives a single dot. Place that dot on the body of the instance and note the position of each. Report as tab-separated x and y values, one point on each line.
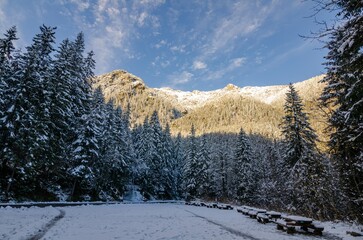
289	175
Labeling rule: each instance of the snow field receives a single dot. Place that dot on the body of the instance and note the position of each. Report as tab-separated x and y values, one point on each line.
147	221
22	223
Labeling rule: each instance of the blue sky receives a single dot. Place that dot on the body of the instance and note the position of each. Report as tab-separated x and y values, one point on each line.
183	44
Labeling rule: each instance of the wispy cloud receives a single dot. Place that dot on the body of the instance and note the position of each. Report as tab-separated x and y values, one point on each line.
180	48
2	14
197	65
243	18
237	62
233	65
180	78
81	4
160	44
111	26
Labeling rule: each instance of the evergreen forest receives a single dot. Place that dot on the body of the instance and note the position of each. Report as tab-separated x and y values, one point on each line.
61	141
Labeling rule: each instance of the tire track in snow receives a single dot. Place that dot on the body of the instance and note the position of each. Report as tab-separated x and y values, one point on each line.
49	225
228	229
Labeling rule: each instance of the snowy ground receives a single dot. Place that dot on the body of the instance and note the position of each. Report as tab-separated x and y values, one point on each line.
145	221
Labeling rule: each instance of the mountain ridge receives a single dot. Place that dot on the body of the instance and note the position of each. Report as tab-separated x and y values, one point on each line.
256	109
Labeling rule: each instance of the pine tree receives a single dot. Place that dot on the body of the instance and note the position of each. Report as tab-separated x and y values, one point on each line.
344	91
203	162
168	164
85	158
178	165
298	135
7	91
27	120
306	172
244	179
143	148
191	167
157	161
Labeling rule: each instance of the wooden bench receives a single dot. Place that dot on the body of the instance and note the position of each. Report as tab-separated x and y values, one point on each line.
273	216
239	209
262	218
254	211
286	226
316	227
225	206
245	211
203	204
289	221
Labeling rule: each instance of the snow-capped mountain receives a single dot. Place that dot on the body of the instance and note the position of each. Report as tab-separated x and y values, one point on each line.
256	109
268	94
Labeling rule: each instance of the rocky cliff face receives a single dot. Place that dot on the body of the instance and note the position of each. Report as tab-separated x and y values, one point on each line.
256	109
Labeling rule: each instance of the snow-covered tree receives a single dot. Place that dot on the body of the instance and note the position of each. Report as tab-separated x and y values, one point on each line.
244	177
27	119
203	161
178	165
296	130
7	92
344	95
191	167
85	157
306	173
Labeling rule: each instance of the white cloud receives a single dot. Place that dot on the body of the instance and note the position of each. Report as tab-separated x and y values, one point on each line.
165	64
152	3
111	25
241	19
237	62
116	36
141	19
2	13
197	65
160	44
81	4
180	48
233	65
181	78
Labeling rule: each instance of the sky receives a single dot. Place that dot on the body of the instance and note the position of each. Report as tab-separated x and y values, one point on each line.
184	44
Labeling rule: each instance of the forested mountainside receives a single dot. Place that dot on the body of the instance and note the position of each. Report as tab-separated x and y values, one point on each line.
255	109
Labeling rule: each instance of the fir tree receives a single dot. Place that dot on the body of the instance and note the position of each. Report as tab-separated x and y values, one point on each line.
344	91
244	179
191	167
168	164
7	91
306	172
298	135
27	120
86	153
178	165
203	161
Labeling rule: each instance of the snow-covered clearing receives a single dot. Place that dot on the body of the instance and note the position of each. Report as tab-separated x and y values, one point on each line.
145	221
22	223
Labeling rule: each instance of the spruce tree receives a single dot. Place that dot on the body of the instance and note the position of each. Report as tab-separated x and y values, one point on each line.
168	164
85	158
343	94
307	176
178	165
203	161
244	179
296	130
191	167
8	87
27	122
